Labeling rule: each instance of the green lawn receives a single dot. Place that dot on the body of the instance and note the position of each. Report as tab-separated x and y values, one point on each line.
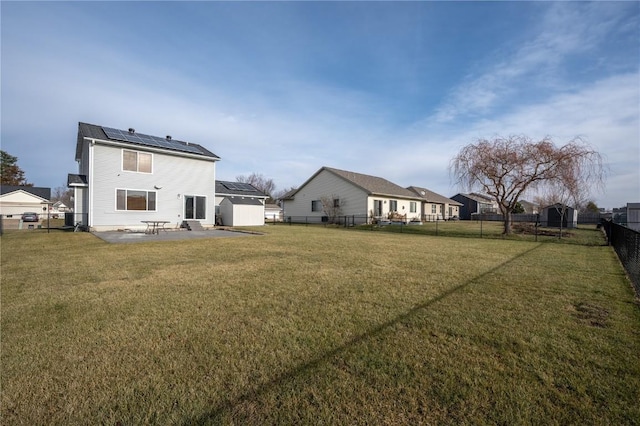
314	325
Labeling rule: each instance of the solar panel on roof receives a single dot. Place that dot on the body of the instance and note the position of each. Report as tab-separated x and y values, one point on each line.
238	186
149	140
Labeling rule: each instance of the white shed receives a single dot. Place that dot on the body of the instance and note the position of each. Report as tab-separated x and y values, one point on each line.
242	211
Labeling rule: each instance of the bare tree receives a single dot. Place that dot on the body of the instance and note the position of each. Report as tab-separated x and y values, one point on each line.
558	198
331	207
259	182
62	194
505	168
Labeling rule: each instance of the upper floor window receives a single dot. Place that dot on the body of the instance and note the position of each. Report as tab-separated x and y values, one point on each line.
135	161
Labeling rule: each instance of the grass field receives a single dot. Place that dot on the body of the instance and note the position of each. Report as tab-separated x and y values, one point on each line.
314	325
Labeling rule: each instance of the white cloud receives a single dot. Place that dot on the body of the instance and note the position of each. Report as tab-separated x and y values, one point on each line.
567	29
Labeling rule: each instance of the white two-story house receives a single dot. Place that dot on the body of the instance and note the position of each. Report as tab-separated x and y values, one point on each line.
126	178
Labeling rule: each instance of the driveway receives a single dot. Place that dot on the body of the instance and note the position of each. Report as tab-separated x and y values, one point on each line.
141	237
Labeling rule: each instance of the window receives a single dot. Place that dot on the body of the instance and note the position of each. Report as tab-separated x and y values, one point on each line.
127	199
412	207
377	207
434	209
393	205
336	202
134	161
316	206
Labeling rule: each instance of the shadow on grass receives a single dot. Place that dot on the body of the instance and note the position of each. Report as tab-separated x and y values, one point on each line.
227	407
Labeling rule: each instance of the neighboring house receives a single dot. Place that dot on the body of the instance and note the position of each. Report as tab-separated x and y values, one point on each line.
239	204
436	206
474	204
272	213
529	208
15	200
126	178
633	216
551	216
346	193
58	209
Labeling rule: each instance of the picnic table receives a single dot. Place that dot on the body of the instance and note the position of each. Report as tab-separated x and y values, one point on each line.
154	226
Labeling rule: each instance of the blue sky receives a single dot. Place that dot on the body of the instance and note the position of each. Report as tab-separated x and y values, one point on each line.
392	89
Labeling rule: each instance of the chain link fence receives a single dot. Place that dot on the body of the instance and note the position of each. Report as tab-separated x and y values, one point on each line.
482	226
67	221
626	243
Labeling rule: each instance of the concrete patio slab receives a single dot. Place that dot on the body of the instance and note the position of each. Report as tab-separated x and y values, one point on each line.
139	237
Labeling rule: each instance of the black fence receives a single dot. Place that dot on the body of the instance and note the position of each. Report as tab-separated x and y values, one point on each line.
626	242
57	221
485	226
353	220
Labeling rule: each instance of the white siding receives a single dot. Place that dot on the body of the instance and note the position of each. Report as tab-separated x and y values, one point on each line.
353	200
174	176
403	207
241	214
17	202
81	205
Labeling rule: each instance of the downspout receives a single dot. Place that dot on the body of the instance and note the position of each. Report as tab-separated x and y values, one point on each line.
92	143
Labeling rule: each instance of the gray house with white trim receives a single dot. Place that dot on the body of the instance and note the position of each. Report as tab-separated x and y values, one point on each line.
125	178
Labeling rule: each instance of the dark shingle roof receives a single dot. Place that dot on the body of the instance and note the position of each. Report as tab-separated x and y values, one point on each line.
432	197
93	131
372	185
35	190
230	188
77	180
478	198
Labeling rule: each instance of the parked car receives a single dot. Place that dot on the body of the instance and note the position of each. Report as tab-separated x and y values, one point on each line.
30	217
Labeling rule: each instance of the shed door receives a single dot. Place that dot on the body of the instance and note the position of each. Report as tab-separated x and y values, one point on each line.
554	218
